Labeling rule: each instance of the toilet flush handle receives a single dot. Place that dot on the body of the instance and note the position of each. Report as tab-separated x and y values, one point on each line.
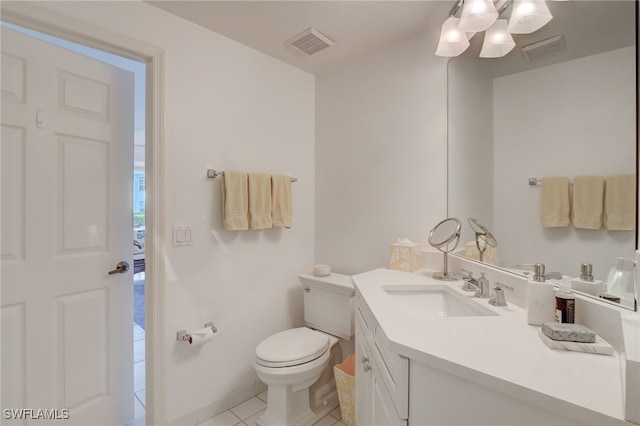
307	289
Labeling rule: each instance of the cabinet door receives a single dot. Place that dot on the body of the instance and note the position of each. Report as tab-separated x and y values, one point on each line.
364	379
384	414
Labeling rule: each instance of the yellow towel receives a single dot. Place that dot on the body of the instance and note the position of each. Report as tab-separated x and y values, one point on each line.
588	195
235	201
259	201
281	205
554	202
620	203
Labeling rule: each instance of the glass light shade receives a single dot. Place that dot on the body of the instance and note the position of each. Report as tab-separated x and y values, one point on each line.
497	40
477	15
452	41
528	16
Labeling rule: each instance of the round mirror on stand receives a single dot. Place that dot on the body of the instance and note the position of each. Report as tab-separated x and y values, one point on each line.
445	237
484	237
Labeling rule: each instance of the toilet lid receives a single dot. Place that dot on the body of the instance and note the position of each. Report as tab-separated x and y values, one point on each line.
292	347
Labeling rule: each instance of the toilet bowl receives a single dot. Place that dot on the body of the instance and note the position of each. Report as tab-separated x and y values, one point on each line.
297	364
289	377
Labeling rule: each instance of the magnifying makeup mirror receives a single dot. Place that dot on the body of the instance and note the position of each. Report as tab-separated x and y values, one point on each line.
484	237
445	237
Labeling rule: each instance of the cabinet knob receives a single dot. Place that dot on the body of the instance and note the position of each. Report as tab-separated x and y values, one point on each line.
365	362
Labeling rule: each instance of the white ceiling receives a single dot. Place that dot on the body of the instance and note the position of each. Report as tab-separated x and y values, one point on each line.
359	27
356	27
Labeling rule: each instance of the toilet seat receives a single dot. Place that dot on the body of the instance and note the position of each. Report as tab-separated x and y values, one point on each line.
292	347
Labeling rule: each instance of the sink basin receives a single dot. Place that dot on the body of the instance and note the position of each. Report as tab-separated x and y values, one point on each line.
428	301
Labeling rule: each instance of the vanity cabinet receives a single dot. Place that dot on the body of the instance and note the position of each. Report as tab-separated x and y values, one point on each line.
381	377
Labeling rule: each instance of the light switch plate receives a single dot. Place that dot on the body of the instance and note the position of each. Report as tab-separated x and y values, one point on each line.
182	235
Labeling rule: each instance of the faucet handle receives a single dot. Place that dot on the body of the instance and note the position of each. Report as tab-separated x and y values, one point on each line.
465	273
498	298
503	286
483	288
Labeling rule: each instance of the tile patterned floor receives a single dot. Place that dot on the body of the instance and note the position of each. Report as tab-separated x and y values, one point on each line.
244	414
138	370
139	399
247	413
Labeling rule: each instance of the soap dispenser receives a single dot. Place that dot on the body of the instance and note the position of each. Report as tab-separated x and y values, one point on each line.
540	298
586	283
565	303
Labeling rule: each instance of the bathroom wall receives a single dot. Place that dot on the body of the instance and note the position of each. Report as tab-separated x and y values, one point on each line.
565	113
381	152
228	107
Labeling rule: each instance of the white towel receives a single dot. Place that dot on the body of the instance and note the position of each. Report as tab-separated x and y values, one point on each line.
235	201
554	202
281	203
259	201
588	196
620	203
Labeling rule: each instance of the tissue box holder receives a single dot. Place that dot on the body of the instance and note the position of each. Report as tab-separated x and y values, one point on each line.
404	257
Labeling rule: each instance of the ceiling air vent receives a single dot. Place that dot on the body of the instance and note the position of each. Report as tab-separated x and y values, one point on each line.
544	49
310	41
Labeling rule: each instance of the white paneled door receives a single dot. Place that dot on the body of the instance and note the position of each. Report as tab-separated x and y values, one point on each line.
67	170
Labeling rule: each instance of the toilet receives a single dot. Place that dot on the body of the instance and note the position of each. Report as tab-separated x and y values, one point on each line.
297	364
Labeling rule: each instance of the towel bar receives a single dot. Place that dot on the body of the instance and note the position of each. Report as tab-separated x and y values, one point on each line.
212	174
534	181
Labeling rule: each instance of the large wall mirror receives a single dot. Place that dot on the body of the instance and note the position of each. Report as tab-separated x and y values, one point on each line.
567	110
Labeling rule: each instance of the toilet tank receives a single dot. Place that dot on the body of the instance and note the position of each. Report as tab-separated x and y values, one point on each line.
329	304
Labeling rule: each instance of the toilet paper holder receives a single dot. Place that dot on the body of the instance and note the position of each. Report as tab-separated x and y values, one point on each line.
184	336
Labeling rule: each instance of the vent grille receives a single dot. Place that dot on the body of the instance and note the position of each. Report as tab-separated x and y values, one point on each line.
310	41
544	49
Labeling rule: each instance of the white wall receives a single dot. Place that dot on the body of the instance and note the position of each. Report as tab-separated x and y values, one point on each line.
573	118
381	153
227	107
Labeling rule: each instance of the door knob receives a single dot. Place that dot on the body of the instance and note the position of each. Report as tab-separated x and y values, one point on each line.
121	268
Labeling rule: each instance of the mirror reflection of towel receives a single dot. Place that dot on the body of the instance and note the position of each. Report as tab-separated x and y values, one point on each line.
554	202
588	192
620	203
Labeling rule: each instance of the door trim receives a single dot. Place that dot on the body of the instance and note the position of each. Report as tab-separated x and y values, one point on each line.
36	18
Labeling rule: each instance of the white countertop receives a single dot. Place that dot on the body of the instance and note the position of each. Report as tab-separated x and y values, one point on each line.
502	352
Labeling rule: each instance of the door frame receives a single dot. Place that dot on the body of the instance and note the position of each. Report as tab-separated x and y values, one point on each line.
38	19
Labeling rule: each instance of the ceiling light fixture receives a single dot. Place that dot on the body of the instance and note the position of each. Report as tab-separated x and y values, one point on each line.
477	15
527	16
497	40
452	41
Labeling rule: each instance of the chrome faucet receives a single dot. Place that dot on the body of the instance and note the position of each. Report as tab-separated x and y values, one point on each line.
538	272
470	283
483	289
498	298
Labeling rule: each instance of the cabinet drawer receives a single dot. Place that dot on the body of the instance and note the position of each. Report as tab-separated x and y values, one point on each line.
394	371
363	311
